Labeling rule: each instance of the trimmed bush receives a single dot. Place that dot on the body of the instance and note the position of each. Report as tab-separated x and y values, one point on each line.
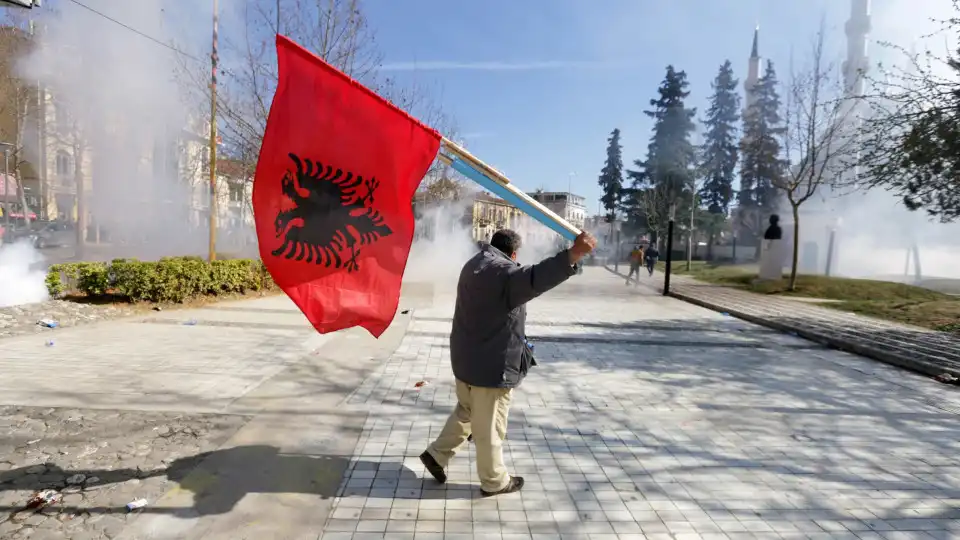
169	280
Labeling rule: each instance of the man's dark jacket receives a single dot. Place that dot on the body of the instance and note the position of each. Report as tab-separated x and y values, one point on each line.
488	338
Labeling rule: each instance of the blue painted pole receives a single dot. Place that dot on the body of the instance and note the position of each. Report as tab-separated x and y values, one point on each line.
494	181
526	204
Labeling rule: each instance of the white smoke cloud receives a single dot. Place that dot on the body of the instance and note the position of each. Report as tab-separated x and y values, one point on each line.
21	281
442	245
444	242
874	229
124	106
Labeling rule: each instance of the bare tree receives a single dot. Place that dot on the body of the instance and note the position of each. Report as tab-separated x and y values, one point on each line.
657	206
335	30
911	130
67	132
18	104
819	138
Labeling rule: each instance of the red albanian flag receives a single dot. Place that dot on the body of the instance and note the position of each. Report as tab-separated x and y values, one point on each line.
332	196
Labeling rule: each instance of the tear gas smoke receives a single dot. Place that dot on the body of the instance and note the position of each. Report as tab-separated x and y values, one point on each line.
874	230
126	118
444	242
21	278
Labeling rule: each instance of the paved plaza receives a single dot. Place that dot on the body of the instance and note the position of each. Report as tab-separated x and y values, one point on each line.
647	418
651	418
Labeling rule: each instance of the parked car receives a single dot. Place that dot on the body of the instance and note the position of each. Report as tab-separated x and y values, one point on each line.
42	234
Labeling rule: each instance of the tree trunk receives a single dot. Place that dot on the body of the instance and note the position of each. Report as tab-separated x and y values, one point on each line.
711	238
758	235
796	248
80	252
21	120
23	197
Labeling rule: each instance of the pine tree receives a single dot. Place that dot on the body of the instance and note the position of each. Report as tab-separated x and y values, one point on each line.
664	179
720	151
761	154
611	178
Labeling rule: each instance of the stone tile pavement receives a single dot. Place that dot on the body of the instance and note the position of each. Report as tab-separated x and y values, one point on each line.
652	418
223	418
918	349
198	359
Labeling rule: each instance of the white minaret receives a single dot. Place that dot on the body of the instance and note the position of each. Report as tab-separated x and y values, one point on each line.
753	71
857	62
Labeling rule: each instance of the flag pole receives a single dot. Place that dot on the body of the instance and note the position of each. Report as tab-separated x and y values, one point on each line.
473	168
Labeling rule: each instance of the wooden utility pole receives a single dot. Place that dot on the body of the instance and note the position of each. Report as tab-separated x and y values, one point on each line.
213	138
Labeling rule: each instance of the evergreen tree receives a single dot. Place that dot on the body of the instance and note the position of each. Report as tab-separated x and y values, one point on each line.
761	165
665	178
719	153
611	176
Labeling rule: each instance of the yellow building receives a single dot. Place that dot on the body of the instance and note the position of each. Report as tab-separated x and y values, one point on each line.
488	214
481	214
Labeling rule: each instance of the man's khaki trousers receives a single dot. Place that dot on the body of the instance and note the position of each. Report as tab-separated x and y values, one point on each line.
482	411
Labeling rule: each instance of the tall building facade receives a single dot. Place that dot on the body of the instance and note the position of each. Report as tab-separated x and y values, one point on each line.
569	206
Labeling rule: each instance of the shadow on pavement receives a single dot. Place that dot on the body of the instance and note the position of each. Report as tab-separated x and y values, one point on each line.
218	480
645	277
728	418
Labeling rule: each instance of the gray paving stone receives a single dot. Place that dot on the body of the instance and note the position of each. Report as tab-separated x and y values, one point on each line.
653	418
914	348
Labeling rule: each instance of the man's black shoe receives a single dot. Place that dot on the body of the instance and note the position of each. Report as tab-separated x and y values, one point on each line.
515	485
433	467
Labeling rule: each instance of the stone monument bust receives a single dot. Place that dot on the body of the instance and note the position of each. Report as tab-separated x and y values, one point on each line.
774	232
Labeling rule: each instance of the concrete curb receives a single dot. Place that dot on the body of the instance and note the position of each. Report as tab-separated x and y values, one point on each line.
912	364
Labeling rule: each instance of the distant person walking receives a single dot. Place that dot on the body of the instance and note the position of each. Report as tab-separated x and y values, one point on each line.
651	257
636	261
489	351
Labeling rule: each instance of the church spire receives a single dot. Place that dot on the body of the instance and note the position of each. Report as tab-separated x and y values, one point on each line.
753	70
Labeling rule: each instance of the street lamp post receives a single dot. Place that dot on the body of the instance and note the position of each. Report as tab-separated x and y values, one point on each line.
212	250
668	262
6	189
6	184
693	208
831	245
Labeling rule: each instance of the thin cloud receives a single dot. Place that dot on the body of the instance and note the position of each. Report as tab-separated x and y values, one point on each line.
493	66
473	135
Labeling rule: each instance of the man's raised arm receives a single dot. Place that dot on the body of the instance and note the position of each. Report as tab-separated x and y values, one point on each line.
524	283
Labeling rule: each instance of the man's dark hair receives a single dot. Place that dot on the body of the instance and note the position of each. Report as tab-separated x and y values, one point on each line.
506	241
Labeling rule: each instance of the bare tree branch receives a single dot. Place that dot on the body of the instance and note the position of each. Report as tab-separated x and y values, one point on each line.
335	30
911	133
820	137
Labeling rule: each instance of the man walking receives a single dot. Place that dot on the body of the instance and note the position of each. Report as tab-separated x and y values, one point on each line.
636	261
489	351
651	257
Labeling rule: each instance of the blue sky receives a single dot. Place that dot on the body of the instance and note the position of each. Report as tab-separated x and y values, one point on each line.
536	86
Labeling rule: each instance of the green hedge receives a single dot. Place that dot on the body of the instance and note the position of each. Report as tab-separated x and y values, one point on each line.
171	279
